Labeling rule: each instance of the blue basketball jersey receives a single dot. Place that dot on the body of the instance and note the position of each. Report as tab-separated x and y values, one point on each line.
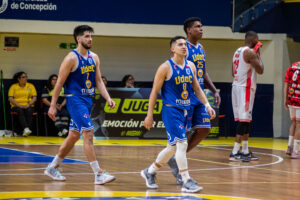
82	80
178	89
197	56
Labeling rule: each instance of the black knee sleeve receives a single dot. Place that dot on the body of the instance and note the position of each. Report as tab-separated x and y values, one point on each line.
243	128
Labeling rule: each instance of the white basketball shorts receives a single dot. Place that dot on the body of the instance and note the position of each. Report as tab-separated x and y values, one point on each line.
294	113
242	103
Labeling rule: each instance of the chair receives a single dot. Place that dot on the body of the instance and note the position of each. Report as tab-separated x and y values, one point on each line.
12	114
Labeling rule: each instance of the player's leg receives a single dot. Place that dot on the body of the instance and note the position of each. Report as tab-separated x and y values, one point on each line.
52	169
235	154
201	125
236	105
295	153
189	132
189	184
246	117
149	173
289	149
101	176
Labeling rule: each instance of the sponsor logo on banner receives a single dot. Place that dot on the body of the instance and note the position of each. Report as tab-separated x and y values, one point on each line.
3	6
28	5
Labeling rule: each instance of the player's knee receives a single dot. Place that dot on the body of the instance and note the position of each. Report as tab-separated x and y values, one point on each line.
243	128
181	146
171	149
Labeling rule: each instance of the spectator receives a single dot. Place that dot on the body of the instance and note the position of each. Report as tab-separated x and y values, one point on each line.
104	79
22	96
62	116
128	81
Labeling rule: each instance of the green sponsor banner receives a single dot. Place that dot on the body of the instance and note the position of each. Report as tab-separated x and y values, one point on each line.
127	118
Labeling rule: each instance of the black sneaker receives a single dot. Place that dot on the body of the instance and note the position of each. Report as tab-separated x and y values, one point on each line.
251	156
235	157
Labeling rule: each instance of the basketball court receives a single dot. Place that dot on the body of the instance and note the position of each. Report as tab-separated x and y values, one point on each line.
22	162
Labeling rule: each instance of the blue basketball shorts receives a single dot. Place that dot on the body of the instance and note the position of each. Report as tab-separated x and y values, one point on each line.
175	121
198	117
79	108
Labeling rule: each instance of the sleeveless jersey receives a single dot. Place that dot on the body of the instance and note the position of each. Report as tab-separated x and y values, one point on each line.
196	55
177	90
244	74
82	81
292	77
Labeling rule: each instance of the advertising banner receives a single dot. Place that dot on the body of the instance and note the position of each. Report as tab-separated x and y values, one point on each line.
133	11
126	119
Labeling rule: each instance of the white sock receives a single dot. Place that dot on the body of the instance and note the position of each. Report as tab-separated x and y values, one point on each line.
245	148
152	169
236	148
95	166
185	176
56	161
291	138
296	146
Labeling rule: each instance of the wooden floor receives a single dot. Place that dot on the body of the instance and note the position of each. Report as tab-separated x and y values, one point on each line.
274	176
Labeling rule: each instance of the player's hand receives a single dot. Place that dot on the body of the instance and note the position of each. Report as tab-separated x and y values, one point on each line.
217	99
52	112
148	122
211	112
257	47
111	103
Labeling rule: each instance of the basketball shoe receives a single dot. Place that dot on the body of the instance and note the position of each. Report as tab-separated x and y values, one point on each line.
54	173
191	186
149	178
103	177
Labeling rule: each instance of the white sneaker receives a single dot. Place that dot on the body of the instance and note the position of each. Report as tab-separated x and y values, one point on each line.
54	173
103	178
64	132
26	132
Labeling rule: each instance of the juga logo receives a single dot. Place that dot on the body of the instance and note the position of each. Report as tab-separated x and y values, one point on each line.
140	106
3	6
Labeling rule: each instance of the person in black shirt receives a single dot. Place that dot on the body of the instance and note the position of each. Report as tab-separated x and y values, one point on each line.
62	116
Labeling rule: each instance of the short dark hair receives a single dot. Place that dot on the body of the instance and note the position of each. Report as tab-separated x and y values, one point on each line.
79	30
250	34
189	22
174	39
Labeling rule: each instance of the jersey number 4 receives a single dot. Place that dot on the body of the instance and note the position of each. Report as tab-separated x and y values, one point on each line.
235	66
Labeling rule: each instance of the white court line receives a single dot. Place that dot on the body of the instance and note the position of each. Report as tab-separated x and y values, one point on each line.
279	160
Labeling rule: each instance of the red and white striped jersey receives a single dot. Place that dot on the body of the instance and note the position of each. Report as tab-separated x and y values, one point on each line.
244	73
292	77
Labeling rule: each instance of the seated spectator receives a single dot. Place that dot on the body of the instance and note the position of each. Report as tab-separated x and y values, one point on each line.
62	116
22	96
104	79
127	81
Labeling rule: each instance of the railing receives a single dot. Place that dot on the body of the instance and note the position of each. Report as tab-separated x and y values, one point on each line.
253	13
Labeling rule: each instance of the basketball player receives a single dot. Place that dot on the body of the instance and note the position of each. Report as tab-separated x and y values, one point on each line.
80	74
176	80
292	103
246	64
198	118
